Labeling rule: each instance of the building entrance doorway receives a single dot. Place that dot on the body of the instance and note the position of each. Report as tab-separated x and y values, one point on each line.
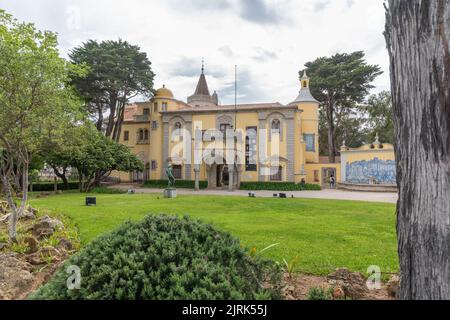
223	177
327	173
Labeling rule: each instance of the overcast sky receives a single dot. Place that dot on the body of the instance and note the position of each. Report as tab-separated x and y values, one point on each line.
269	40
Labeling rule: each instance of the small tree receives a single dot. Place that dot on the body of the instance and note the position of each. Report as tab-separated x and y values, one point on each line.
33	97
63	146
99	156
118	72
340	83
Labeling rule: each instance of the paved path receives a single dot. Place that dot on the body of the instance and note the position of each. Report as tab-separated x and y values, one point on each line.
324	194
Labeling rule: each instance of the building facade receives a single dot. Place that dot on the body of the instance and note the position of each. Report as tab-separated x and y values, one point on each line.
278	143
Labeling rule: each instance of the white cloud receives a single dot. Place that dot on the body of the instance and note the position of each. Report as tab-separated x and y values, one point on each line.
270	40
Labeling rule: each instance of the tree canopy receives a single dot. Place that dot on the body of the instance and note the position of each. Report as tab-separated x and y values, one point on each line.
118	72
341	82
97	156
380	118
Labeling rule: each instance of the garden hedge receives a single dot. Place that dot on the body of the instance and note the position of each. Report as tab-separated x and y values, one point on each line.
165	258
181	184
278	186
250	186
50	186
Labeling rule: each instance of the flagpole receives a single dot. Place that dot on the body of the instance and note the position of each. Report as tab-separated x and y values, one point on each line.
235	122
235	97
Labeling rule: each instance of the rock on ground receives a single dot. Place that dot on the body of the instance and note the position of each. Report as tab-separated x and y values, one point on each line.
32	243
44	255
15	276
353	284
48	223
45	227
23	273
393	286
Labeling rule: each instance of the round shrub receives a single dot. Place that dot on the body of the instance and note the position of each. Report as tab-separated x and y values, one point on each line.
164	258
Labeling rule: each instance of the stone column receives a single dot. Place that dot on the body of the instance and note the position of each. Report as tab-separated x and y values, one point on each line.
188	144
165	154
261	126
239	176
231	178
212	178
290	150
197	177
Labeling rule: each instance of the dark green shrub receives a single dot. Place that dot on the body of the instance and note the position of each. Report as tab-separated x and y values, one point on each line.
278	186
181	184
164	258
50	186
105	190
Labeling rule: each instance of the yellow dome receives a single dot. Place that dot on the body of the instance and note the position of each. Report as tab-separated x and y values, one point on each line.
163	93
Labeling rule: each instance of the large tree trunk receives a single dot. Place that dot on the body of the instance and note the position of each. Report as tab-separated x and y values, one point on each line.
331	137
417	36
13	218
62	176
112	115
119	121
100	117
16	212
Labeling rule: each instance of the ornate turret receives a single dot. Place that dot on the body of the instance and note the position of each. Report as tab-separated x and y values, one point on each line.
305	95
201	96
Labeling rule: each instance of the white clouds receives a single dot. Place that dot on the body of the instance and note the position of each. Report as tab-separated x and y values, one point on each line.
270	40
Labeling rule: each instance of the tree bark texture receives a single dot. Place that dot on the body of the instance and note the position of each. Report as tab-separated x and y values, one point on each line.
417	36
331	135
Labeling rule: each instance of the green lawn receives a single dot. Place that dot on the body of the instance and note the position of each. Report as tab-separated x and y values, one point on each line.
325	234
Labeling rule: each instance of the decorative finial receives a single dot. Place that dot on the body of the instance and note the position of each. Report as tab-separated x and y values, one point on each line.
304	74
377	139
164	86
344	146
203	65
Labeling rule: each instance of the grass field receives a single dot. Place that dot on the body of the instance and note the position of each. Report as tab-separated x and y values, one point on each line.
324	234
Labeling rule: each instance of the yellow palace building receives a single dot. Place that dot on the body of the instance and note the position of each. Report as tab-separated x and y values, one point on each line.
277	143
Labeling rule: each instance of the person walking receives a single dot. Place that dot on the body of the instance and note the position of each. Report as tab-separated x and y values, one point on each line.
332	182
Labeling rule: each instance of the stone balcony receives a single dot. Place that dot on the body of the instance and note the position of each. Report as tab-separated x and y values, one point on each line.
142	118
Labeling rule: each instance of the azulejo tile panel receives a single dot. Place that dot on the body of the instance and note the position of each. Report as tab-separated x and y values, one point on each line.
379	171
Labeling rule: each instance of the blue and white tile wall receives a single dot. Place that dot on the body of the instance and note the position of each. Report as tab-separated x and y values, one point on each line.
383	172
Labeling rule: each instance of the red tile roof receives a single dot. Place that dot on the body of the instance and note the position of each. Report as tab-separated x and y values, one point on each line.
130	112
255	106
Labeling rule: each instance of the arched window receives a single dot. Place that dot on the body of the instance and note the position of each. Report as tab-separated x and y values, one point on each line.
177	130
141	134
146	134
276	126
